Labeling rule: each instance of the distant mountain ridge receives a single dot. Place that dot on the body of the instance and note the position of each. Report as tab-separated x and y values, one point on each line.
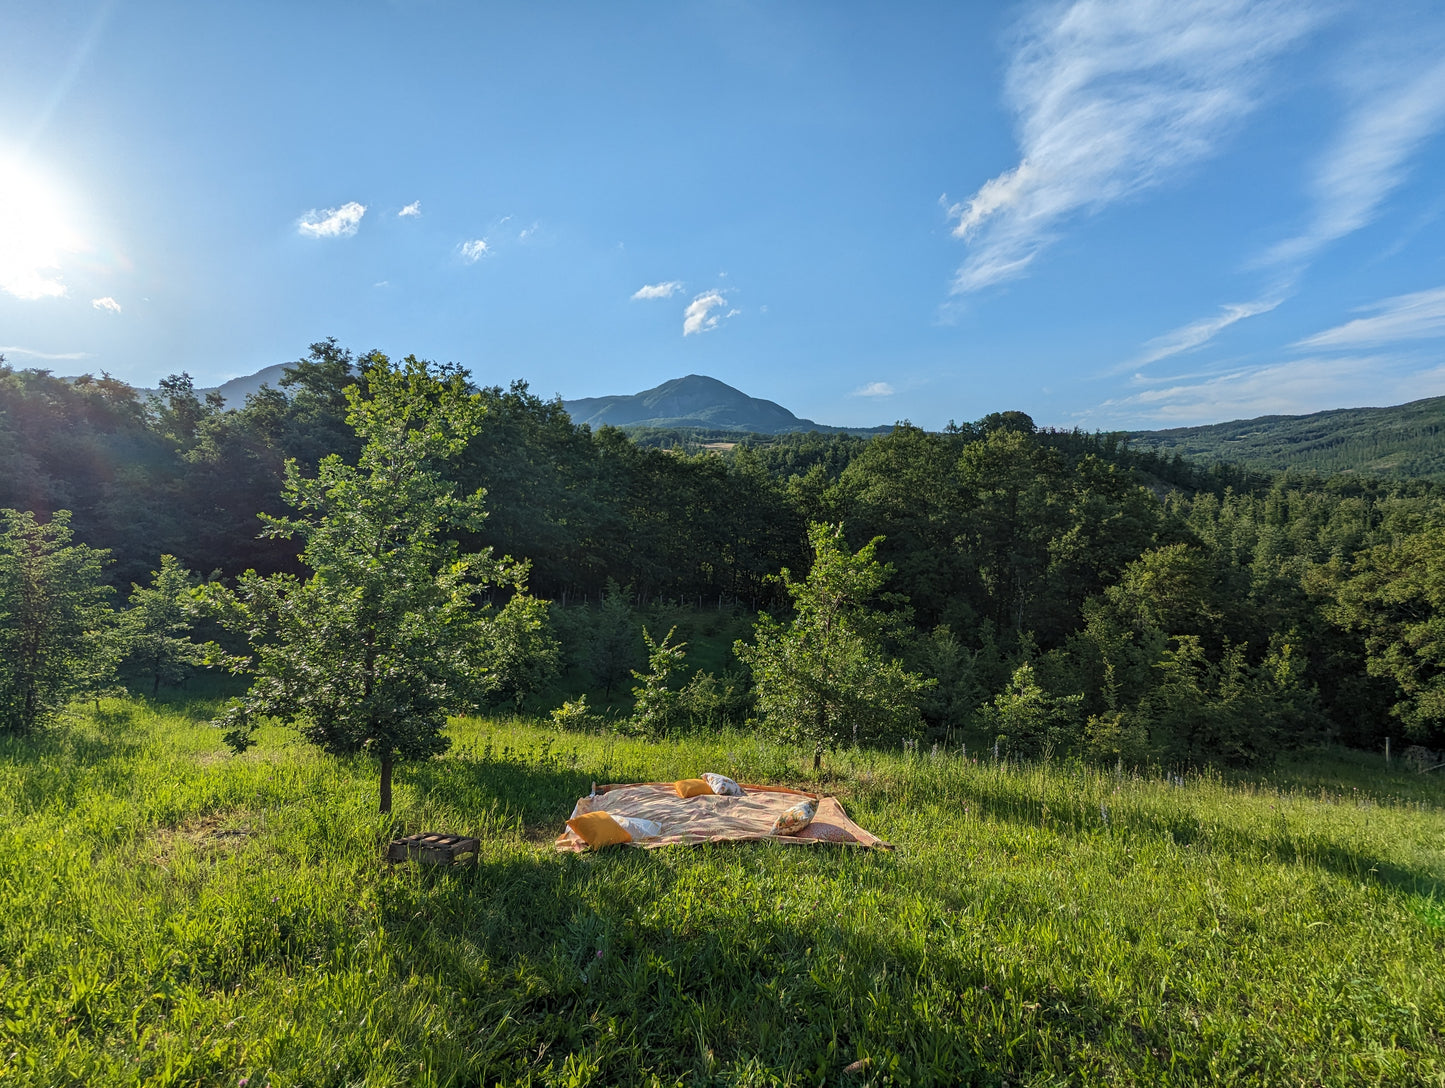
1405	440
695	401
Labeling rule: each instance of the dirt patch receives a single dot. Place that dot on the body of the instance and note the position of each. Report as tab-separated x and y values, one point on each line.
213	834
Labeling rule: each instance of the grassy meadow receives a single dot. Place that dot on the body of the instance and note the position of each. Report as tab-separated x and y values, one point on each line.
173	914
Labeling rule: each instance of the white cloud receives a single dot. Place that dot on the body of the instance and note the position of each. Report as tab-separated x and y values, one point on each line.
473	251
698	317
1197	333
44	354
873	389
1294	388
106	303
411	211
339	222
1420	316
1111	100
658	290
1401	107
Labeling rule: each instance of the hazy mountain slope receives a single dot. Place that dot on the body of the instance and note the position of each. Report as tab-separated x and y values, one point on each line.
1406	440
694	401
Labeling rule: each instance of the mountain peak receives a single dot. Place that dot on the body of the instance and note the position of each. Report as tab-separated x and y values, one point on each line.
696	400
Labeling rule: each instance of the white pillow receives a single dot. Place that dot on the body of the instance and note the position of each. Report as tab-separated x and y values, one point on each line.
722	785
637	827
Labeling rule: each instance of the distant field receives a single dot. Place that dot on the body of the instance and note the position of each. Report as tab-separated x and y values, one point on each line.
171	914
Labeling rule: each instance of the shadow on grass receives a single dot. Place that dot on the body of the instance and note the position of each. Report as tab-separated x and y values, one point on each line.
640	961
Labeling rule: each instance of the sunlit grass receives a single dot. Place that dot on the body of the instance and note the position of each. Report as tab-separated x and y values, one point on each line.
170	913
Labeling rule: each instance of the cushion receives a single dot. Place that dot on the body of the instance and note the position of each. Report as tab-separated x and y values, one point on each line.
638	828
692	787
722	785
796	818
599	829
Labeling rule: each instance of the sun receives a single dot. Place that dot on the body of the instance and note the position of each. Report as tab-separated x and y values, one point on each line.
37	231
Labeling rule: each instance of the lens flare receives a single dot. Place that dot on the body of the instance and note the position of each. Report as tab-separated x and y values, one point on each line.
36	232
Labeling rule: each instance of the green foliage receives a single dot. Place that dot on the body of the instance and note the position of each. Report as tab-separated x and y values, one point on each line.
155	630
55	620
574	714
1028	721
1227	711
522	654
658	700
1395	596
1402	441
613	648
385	639
824	679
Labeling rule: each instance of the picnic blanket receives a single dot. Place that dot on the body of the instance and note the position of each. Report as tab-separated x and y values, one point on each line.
714	818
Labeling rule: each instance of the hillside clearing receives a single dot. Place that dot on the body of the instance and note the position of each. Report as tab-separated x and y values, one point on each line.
171	916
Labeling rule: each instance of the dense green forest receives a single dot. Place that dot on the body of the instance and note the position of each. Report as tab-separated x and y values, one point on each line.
1042	591
1403	441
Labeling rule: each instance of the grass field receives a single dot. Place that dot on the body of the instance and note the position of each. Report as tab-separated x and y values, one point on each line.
172	914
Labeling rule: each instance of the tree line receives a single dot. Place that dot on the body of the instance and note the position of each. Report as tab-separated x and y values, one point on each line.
995	583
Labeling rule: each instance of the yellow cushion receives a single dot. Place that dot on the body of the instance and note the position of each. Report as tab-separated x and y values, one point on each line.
598	829
692	787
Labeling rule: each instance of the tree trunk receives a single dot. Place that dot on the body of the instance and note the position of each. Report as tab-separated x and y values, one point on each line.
386	761
817	759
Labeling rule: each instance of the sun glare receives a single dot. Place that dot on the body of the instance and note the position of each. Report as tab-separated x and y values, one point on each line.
36	232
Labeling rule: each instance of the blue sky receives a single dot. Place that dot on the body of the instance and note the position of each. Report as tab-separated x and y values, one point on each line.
1123	214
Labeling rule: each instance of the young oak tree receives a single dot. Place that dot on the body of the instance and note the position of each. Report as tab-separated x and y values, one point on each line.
824	679
371	653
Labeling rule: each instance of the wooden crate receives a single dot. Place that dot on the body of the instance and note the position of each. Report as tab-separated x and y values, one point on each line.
435	849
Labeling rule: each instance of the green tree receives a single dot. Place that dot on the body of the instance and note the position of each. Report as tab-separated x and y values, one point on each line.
1395	597
613	647
659	702
373	650
523	654
54	619
155	631
824	678
1027	720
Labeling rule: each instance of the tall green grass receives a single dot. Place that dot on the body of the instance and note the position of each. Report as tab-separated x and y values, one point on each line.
172	914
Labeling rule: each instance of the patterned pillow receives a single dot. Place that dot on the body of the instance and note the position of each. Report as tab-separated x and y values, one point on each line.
796	818
722	785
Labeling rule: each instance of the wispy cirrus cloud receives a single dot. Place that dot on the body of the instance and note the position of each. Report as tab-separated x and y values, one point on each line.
106	303
1296	387
1198	333
411	211
658	290
699	316
32	353
1395	108
1113	99
340	222
1418	316
873	389
474	250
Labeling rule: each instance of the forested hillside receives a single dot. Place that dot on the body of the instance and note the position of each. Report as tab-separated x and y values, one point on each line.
1406	441
1056	591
